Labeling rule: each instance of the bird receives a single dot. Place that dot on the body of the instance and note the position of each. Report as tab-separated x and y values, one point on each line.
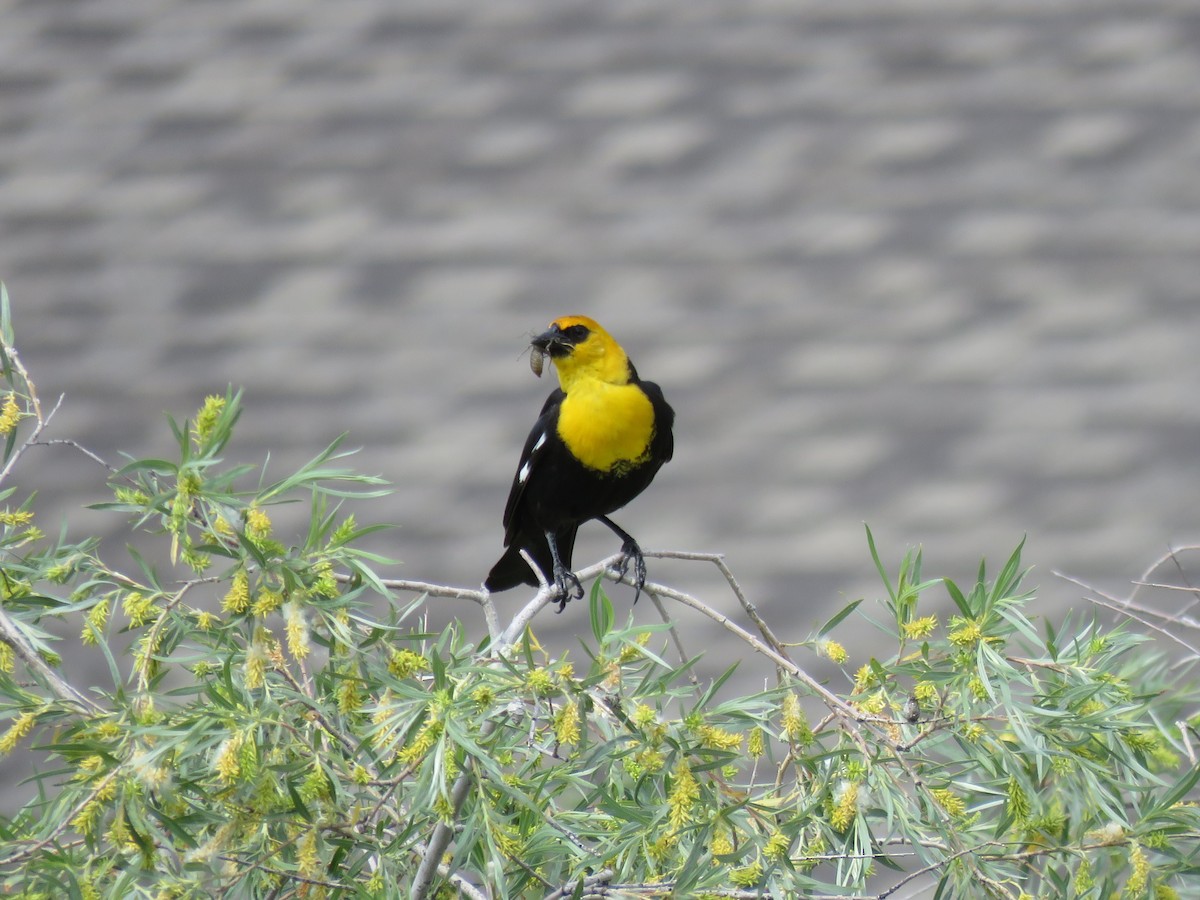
598	442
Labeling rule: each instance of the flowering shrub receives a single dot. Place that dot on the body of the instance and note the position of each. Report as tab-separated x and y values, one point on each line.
275	730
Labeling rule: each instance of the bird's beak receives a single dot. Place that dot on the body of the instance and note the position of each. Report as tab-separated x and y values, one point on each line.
552	342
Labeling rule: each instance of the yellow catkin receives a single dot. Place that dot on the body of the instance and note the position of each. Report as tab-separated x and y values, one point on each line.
258	523
756	744
206	419
1139	871
227	760
540	681
865	678
718	738
237	599
267	601
308	856
425	741
721	842
845	807
296	630
966	633
16	517
17	731
10	415
747	876
918	629
405	663
257	659
566	723
925	691
94	623
1018	801
683	796
138	608
949	801
833	651
777	846
795	722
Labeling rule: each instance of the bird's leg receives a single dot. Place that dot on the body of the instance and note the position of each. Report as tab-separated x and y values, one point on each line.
565	582
629	551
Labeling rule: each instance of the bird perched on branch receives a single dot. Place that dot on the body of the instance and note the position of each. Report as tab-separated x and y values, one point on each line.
600	439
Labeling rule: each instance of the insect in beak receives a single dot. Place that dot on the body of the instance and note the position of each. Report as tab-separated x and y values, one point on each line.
537	360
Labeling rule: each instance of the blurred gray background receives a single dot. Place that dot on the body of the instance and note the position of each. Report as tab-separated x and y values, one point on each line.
925	264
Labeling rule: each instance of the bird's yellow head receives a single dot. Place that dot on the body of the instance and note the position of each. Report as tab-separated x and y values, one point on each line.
581	349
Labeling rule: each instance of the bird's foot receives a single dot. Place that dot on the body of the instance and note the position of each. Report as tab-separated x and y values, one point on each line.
566	587
630	551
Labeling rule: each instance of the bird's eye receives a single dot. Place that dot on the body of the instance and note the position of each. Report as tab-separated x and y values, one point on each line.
576	333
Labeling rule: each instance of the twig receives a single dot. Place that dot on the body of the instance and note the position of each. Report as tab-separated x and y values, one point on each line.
11	635
440	839
78	446
834	702
1124	609
325	724
481	597
465	887
444	831
442	834
1166	586
1170	556
1127	609
64	824
675	638
33	436
153	636
424	587
279	873
567	890
751	609
718	560
15	358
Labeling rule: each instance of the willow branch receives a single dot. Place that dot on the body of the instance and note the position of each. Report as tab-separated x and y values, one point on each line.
1131	610
12	635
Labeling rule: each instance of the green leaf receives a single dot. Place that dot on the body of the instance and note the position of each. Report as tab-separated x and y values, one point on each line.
837	618
1010	575
601	610
957	596
1178	792
155	466
6	326
879	564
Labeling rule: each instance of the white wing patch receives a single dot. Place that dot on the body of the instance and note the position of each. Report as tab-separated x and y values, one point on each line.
525	469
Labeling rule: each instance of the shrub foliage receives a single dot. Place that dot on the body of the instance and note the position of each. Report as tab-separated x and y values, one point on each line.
277	721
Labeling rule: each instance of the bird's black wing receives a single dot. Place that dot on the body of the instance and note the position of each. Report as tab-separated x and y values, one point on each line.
662	448
535	444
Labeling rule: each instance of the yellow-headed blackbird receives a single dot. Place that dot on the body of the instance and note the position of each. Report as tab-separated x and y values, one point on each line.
600	439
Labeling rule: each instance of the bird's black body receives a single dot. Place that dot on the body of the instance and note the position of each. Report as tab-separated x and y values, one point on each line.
554	492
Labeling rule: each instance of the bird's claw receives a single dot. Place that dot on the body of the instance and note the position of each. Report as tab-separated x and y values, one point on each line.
566	587
631	551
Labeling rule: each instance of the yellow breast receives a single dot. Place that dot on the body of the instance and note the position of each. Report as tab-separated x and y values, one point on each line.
606	426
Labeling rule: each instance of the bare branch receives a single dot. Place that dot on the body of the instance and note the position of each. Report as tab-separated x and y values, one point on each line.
834	702
78	446
1133	611
33	436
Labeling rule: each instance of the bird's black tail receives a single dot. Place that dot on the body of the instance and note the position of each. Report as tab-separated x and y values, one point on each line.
511	570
